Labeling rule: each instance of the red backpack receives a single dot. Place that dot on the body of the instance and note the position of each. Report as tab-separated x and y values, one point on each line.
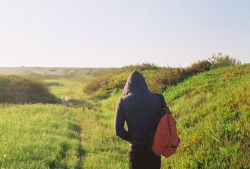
164	138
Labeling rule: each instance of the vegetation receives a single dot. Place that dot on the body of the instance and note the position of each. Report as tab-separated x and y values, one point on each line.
158	78
209	99
212	113
220	60
212	110
17	89
39	136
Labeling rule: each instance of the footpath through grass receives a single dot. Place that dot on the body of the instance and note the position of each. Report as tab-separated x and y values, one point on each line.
39	136
102	148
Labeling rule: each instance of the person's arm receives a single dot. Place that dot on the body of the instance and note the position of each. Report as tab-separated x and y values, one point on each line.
119	121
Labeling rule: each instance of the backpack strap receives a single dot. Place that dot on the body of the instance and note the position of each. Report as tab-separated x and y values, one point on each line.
163	102
158	117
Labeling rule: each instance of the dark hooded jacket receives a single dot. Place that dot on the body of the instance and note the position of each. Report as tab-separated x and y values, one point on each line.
138	107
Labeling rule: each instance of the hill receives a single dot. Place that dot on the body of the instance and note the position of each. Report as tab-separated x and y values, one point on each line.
212	113
212	110
158	79
45	70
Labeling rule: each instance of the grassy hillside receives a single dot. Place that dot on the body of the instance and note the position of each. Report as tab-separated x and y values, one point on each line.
158	79
212	112
39	136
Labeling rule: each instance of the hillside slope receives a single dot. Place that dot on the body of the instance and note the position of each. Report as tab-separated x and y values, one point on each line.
212	113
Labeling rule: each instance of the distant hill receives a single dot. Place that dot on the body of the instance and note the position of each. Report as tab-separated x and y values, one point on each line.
43	70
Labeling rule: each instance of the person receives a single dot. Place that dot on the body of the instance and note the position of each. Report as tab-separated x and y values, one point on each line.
138	108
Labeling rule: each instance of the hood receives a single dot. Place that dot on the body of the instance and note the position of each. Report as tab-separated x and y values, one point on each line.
136	83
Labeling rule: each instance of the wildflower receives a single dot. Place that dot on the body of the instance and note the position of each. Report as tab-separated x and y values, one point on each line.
4	155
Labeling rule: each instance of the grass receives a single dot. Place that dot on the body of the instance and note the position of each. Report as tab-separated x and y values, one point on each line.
43	135
39	136
212	111
66	87
102	148
70	89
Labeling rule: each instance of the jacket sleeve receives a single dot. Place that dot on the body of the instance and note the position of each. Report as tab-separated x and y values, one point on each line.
119	121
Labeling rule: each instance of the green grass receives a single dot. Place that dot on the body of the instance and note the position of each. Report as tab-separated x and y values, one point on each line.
43	135
39	136
71	89
212	113
102	148
211	109
66	87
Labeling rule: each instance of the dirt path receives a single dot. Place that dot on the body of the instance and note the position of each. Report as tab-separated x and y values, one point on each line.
79	112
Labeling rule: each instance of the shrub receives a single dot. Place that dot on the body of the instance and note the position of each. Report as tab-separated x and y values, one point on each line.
94	85
17	89
165	78
219	60
158	78
200	66
140	67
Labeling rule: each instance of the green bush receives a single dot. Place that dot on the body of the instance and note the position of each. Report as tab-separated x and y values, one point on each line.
17	89
158	78
219	60
140	67
93	85
200	66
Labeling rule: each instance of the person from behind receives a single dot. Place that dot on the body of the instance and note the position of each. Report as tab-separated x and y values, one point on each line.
138	108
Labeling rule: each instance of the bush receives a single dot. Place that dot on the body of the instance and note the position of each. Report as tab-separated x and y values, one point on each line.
17	89
158	78
142	67
200	66
102	80
165	78
94	85
220	60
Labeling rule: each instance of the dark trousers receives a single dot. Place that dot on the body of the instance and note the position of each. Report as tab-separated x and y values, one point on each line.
142	157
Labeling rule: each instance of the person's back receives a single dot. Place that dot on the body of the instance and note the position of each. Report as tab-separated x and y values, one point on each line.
138	107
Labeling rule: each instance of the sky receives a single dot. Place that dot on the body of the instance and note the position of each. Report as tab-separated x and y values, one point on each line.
116	33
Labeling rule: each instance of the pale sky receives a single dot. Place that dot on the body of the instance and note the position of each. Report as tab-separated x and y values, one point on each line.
115	33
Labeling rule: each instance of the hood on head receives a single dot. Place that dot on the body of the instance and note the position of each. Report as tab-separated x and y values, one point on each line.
135	83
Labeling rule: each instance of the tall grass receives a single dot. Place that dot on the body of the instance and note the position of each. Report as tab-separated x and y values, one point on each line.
39	136
102	148
212	111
